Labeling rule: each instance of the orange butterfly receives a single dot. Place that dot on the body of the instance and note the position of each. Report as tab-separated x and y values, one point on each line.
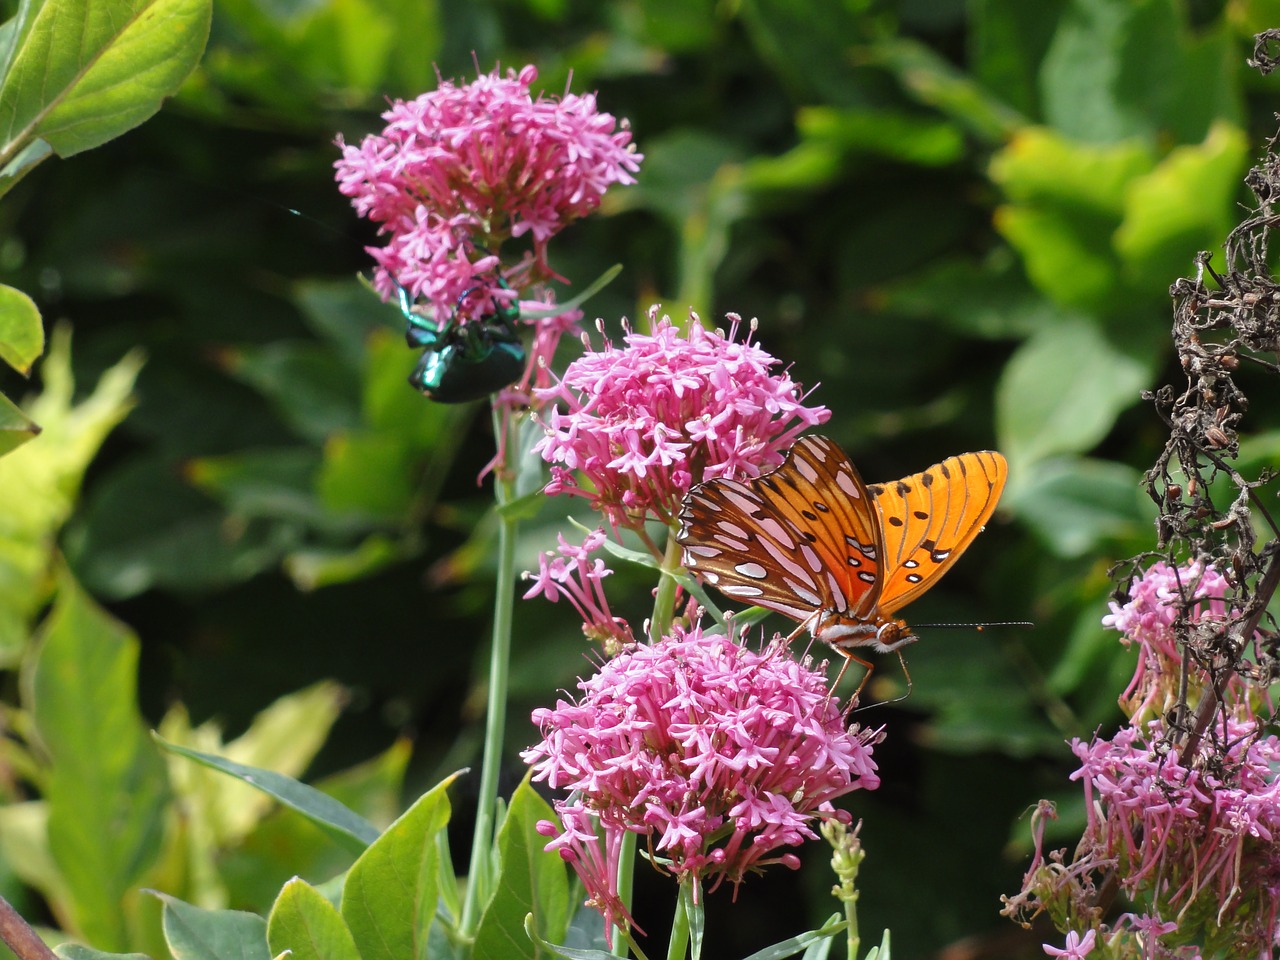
812	541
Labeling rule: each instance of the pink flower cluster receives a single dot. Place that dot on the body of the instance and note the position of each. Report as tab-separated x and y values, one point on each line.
719	755
573	574
644	422
1201	844
460	170
1155	601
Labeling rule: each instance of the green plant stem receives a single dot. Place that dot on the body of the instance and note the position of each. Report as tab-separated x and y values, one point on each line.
678	945
626	882
479	880
664	597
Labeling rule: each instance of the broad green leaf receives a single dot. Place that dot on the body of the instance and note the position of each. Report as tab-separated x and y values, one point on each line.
82	73
307	925
1073	504
530	881
1120	70
1087	651
1062	391
309	385
21	332
989	300
389	899
935	81
345	827
1186	204
39	482
284	737
78	951
312	569
146	527
283	844
909	137
193	933
16	428
366	475
107	787
1066	201
24	846
262	483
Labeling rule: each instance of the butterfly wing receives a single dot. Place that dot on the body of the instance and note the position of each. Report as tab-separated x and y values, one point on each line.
930	518
802	539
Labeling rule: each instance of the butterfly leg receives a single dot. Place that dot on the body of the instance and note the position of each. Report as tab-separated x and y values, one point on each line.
849	658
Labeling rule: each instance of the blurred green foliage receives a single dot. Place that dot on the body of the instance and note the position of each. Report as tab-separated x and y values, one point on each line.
960	219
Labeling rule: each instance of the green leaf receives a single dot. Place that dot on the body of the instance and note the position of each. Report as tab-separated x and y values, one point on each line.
107	787
16	428
82	73
145	527
559	950
78	951
1066	201
934	80
307	925
1062	391
793	945
283	737
1186	204
39	482
1073	504
193	933
21	332
366	475
261	483
389	899
348	829
313	389
530	882
312	569
880	952
909	137
1119	70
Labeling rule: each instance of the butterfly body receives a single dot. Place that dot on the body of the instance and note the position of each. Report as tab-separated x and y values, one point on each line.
812	541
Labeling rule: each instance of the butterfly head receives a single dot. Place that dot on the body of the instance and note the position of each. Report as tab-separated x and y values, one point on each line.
882	635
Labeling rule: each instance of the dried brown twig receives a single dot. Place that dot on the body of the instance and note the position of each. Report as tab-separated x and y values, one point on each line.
1218	331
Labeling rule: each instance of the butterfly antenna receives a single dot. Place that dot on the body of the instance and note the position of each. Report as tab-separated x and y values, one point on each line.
972	626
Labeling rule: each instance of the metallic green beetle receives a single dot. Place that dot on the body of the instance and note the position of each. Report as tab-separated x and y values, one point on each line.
462	362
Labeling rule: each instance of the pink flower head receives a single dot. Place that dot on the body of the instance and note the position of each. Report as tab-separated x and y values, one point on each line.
574	575
1076	947
1156	599
718	755
462	169
1194	841
643	423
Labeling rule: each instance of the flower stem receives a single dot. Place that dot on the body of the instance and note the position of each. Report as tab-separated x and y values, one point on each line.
664	597
626	881
678	946
479	881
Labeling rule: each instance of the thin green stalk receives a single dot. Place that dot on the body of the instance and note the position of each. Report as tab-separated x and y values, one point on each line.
678	945
479	879
664	597
626	882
